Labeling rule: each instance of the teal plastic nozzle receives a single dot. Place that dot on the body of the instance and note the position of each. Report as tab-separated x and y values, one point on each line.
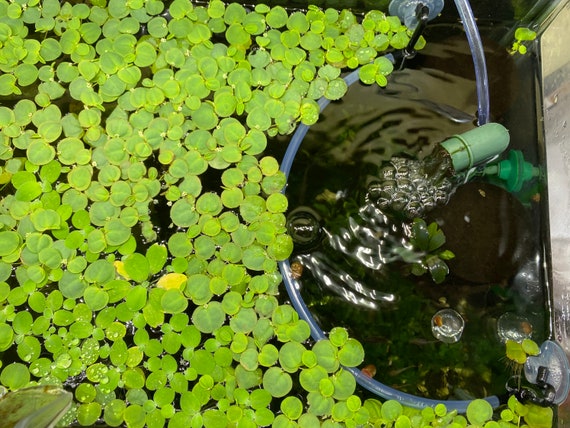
514	171
476	145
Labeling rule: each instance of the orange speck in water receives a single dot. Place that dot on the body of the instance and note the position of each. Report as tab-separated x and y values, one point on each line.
526	328
438	320
369	370
296	270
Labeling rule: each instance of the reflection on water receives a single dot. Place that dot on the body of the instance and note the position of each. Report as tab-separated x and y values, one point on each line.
367	240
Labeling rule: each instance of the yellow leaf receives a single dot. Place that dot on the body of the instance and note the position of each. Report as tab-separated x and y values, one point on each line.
5	177
172	281
120	268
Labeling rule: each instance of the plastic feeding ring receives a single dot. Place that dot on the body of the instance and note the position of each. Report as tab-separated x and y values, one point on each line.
293	287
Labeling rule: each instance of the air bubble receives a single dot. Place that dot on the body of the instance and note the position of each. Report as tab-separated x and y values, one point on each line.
304	227
447	326
388	172
515	327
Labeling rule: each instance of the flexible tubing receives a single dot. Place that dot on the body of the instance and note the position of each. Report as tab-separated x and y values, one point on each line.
476	46
293	289
369	383
302	129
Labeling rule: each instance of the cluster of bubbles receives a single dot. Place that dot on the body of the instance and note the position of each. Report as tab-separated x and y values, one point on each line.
411	186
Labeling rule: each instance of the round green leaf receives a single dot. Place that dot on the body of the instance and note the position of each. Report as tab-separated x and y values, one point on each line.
209	317
15	376
277	382
173	301
145	54
116	233
40	153
88	413
6	336
95	298
478	412
277	17
137	267
9	242
351	354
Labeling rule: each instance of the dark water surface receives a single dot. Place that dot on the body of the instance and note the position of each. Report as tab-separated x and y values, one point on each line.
357	273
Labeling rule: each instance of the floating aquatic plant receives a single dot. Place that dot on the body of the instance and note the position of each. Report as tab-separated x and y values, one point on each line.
522	35
518	352
141	221
429	239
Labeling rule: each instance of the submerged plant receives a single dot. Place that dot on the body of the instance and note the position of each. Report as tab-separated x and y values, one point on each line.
429	239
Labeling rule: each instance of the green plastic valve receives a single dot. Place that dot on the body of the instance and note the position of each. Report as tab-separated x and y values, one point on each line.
476	145
514	171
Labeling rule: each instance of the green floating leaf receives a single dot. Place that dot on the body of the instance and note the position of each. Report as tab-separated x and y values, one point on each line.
137	267
15	376
326	354
525	34
243	321
277	382
277	17
351	354
116	233
209	203
291	356
6	336
183	213
259	119
254	257
292	407
530	347
95	298
40	153
100	272
180	245
45	219
478	412
539	417
9	242
336	89
232	198
136	299
208	318
252	207
515	352
88	413
344	385
277	203
281	248
338	336
173	301
145	54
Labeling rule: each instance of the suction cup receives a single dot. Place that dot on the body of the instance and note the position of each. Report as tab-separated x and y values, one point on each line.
406	10
550	370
